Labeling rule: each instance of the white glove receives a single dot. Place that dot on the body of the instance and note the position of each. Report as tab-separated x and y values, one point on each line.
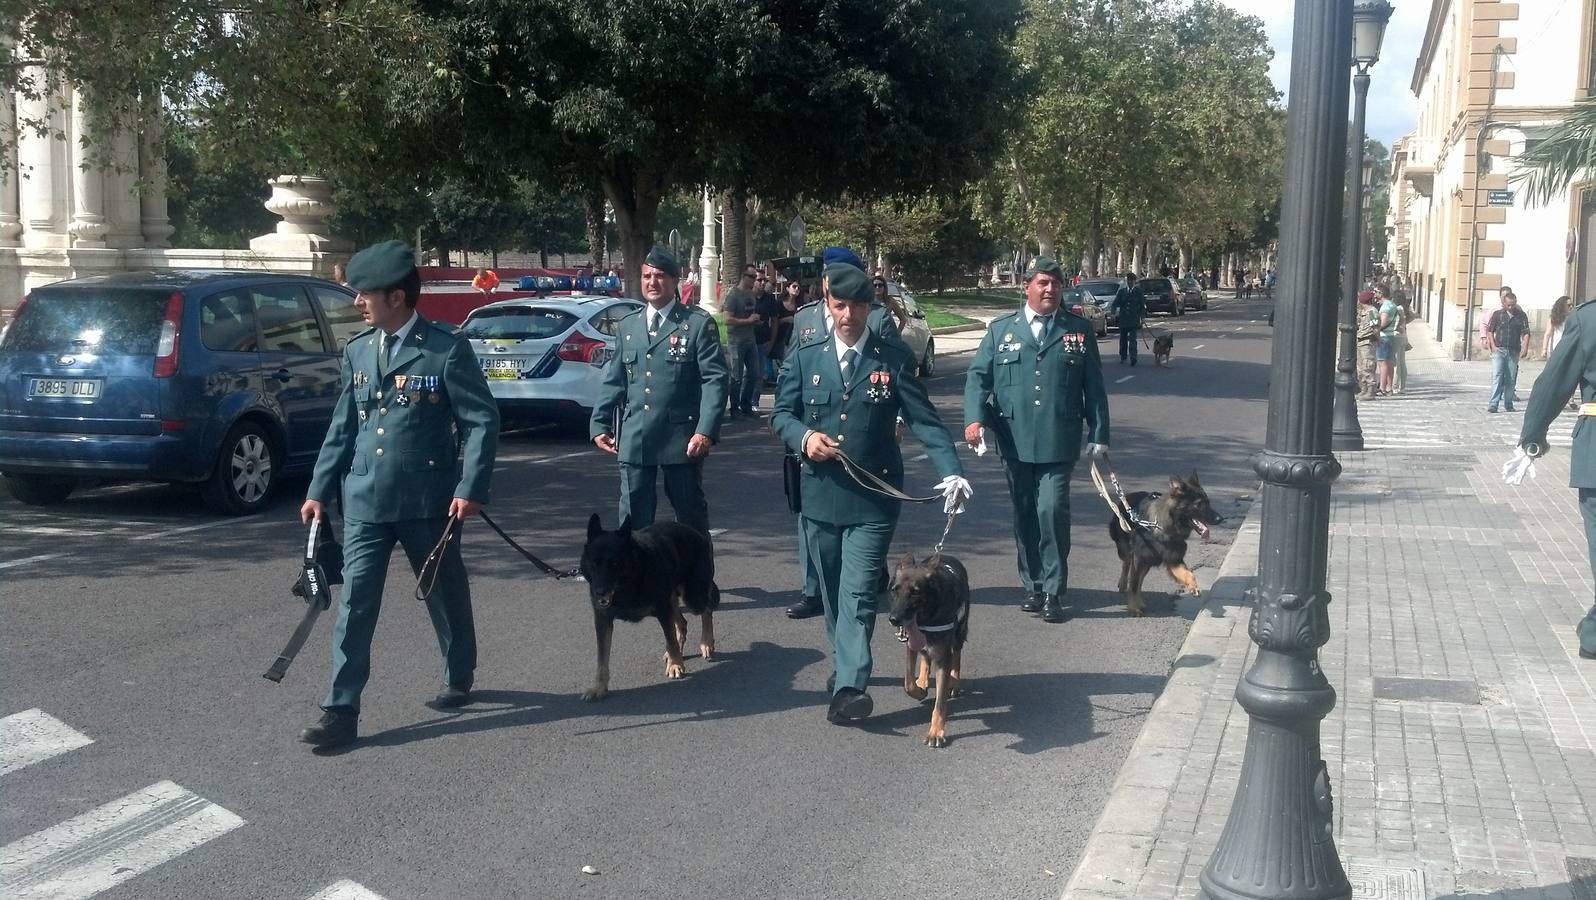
1096	451
1514	470
955	491
980	447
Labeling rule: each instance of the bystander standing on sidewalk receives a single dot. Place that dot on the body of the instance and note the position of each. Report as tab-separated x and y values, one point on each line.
1554	325
1507	338
742	317
1390	319
1368	333
1399	377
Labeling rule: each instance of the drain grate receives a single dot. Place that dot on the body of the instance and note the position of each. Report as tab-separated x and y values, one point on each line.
1432	690
1382	882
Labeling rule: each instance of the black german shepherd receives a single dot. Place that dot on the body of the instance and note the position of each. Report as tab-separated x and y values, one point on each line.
1171	517
931	603
1163	345
660	571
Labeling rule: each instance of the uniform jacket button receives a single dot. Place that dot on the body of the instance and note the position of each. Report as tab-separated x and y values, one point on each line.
844	417
383	411
648	390
1038	403
379	451
381	430
645	407
432	462
841	438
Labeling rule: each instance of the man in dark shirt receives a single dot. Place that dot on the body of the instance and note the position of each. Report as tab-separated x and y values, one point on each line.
742	346
767	306
1507	339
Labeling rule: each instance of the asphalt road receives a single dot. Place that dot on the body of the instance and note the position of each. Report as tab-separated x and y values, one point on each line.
142	623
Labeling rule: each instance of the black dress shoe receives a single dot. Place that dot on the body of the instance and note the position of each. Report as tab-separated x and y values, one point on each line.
452	697
335	728
849	704
1033	603
1053	609
806	608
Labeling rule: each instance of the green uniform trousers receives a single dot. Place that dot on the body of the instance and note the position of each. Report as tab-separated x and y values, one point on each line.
684	485
367	548
1041	496
1587	510
806	562
852	564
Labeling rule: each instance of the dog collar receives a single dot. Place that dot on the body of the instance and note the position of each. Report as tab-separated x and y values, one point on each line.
937	628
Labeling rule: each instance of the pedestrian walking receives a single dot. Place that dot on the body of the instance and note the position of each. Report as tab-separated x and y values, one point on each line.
410	451
1507	340
768	307
1572	366
1555	323
813	323
1036	383
1129	307
844	395
1390	320
741	309
660	406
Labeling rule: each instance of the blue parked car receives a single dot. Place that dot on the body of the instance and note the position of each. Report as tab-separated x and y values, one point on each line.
223	379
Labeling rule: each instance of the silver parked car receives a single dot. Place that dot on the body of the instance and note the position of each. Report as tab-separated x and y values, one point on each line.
544	357
1083	303
916	333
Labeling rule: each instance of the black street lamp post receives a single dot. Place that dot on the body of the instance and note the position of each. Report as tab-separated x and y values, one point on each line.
1368	29
1278	841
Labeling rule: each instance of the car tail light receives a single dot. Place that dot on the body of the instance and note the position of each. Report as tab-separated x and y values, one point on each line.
166	347
580	348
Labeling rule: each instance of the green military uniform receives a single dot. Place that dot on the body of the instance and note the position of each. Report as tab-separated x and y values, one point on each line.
849	529
410	432
666	385
1034	398
1572	365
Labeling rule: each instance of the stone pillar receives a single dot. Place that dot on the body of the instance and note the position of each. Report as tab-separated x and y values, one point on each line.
153	222
122	192
41	184
10	175
88	226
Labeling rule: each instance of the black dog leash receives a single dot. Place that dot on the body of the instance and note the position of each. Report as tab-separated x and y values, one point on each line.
542	566
428	578
870	482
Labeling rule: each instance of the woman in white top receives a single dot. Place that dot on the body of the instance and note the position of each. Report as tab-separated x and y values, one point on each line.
1554	326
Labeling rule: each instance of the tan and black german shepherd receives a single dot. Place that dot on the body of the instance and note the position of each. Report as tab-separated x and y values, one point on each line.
1160	525
931	603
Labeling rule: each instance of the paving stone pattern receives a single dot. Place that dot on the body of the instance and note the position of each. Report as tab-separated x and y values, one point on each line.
1481	784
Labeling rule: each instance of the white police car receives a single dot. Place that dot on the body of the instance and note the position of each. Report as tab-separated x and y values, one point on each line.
544	357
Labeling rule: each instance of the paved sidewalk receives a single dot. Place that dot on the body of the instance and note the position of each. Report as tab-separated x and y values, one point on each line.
1463	744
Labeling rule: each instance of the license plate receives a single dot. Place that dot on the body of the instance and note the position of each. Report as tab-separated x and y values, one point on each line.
65	388
501	368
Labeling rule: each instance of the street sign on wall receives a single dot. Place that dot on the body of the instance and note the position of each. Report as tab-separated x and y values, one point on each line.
1499	198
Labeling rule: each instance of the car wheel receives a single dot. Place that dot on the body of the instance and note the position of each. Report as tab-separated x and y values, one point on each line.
928	362
40	490
245	473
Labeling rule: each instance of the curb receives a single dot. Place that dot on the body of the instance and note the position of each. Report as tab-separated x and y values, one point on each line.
956	329
1110	851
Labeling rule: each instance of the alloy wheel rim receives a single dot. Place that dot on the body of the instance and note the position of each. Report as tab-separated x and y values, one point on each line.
251	468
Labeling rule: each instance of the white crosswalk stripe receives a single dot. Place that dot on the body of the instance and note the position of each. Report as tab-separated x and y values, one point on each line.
345	890
110	844
32	736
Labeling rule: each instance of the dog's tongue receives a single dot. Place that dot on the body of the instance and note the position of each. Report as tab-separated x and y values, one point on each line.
916	637
1202	528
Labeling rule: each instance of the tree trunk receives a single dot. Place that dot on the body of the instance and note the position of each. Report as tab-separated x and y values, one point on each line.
1046	237
733	235
635	198
593	206
543	257
1094	233
443	256
495	257
750	224
1185	259
1139	258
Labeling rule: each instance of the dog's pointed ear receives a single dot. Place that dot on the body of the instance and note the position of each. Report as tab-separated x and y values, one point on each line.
1176	485
626	527
1193	479
906	563
594	528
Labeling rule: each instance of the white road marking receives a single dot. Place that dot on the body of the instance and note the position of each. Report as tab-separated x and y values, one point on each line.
32	736
27	560
717	532
1199	346
1123	380
62	532
345	890
106	846
242	520
561	456
920	457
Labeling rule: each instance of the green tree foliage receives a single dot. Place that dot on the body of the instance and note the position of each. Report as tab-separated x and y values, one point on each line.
1566	153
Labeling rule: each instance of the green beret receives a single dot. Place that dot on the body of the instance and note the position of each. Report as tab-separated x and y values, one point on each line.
664	260
848	283
381	267
1044	265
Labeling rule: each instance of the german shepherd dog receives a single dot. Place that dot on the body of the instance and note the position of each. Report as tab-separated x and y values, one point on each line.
1163	345
931	603
1170	519
664	571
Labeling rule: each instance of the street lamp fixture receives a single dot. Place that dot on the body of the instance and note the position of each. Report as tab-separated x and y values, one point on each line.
1368	30
1369	18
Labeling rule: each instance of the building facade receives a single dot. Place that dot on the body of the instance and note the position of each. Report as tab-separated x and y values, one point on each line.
1490	78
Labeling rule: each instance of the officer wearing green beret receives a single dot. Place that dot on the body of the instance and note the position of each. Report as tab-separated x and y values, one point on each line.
812	323
411	447
845	395
1035	378
1571	365
666	388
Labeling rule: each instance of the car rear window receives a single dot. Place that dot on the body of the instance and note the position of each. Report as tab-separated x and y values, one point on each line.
99	320
1156	284
1100	287
520	323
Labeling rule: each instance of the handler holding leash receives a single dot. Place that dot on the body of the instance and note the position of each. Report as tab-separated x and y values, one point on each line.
413	401
1572	365
840	399
667	379
1035	378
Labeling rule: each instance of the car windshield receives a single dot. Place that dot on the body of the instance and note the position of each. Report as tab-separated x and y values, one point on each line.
519	323
89	320
1189	284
